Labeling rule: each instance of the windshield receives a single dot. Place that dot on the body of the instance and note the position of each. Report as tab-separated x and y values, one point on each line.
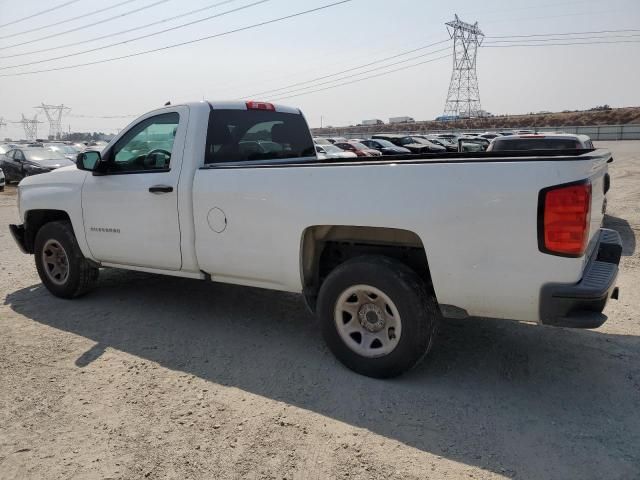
66	149
332	149
358	145
42	154
384	143
419	140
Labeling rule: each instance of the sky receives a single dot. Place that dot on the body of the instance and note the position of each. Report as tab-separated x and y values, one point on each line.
319	44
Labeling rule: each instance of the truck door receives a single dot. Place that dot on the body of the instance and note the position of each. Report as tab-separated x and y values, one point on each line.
131	210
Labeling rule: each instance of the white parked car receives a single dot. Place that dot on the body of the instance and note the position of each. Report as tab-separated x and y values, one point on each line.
2	180
380	248
541	141
331	151
321	141
69	151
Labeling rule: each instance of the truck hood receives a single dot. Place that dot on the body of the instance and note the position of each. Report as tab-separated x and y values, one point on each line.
68	174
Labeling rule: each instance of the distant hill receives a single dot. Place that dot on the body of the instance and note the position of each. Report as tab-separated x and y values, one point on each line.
614	116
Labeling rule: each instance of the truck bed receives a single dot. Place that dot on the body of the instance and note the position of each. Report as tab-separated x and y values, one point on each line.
475	214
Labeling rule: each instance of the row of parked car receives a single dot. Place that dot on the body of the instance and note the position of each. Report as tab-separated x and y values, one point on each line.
398	144
377	145
19	160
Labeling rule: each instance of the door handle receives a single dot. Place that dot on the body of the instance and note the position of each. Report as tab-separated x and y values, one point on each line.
161	189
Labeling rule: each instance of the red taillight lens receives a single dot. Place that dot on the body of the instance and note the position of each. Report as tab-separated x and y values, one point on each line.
251	105
563	227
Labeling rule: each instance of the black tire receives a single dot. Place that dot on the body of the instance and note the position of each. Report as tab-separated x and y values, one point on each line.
81	277
417	307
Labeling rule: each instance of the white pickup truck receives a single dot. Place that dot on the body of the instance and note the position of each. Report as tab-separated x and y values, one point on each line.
381	248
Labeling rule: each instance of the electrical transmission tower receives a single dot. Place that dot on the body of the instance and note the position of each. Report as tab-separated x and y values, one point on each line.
30	126
463	99
54	116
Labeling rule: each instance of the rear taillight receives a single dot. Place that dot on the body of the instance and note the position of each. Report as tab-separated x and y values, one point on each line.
564	214
251	105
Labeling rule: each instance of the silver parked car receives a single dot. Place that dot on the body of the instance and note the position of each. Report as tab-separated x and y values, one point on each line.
331	151
542	141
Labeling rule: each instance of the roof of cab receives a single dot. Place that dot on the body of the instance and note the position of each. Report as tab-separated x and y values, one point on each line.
221	105
241	105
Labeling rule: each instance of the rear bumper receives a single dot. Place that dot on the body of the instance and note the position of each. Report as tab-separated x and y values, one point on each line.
17	232
580	305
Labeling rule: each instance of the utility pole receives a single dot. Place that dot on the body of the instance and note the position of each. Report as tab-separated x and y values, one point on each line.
463	98
54	116
30	126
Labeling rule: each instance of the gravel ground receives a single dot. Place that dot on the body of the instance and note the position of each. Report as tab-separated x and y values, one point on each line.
158	377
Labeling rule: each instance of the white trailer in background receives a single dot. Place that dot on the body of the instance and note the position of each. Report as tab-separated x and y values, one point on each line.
373	121
401	120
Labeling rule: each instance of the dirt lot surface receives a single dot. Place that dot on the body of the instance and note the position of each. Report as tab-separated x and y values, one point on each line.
157	377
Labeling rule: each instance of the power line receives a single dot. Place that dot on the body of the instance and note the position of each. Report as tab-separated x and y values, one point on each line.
111	35
353	68
286	94
101	116
78	17
152	34
545	17
362	79
530	7
606	37
88	25
13	22
563	33
188	42
616	42
361	73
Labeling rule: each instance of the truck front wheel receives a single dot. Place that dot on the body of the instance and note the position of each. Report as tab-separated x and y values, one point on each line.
61	266
378	316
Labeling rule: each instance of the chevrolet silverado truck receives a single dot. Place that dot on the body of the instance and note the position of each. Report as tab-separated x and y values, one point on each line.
381	248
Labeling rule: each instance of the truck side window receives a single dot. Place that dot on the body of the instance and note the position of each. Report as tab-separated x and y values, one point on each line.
250	135
147	146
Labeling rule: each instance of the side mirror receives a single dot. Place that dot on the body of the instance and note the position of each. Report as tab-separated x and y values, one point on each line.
88	160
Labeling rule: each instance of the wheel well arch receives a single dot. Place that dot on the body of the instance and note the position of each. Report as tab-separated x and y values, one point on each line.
324	247
35	219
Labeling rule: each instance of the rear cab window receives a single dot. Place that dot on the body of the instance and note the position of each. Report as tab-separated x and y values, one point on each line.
255	135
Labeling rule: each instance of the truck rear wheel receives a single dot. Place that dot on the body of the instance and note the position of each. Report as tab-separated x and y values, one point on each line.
61	266
378	316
